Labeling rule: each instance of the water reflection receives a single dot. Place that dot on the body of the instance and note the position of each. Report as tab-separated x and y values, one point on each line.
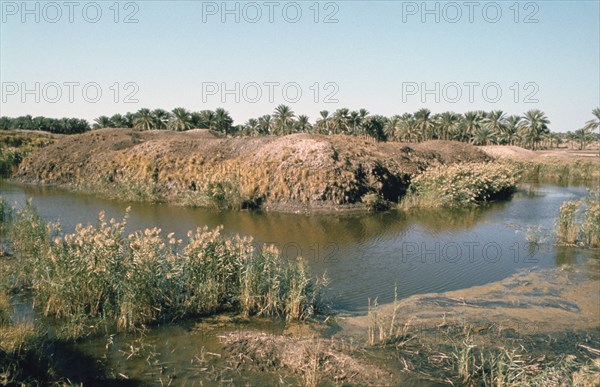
364	255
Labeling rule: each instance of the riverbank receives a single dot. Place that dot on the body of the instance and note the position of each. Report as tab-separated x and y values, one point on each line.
295	173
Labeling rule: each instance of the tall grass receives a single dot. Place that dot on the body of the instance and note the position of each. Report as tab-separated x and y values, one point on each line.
461	185
22	361
557	170
578	222
5	215
498	367
131	279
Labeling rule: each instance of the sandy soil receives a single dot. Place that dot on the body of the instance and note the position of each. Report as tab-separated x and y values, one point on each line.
529	302
516	152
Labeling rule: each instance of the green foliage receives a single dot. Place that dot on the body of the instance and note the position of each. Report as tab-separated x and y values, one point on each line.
557	170
14	148
102	273
578	222
460	185
52	125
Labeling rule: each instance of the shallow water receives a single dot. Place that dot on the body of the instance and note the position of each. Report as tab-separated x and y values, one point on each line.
364	255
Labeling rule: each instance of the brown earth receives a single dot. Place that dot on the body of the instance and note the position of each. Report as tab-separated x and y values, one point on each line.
529	302
518	153
299	172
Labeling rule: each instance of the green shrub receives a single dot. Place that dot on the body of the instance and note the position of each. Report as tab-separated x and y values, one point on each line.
461	185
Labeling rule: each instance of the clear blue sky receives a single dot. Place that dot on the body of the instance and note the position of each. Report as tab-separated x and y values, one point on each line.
369	54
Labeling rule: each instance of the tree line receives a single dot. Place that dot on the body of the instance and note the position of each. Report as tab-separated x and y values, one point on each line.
52	125
530	130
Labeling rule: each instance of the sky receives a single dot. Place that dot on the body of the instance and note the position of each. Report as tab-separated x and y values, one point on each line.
86	59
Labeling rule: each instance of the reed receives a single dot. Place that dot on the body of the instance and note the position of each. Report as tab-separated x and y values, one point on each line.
131	279
461	185
578	222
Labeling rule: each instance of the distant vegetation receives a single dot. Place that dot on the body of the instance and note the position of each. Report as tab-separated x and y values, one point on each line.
530	130
52	125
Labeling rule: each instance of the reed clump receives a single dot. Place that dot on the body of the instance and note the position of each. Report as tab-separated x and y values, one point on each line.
461	185
479	366
22	361
101	272
578	222
557	170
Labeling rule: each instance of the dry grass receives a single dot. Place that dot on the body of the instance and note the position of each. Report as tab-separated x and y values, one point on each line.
315	360
299	171
579	222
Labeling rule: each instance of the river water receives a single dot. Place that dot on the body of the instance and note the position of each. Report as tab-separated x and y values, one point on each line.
365	256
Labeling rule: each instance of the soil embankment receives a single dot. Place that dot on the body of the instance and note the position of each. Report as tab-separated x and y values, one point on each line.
299	172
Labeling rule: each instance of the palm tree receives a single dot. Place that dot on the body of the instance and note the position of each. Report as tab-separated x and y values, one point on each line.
129	117
483	136
181	120
495	121
472	123
354	121
390	128
303	125
161	118
323	124
251	127
206	119
535	125
594	123
448	122
424	123
265	124
407	128
583	136
374	127
144	120
284	119
223	121
341	119
118	121
510	132
102	122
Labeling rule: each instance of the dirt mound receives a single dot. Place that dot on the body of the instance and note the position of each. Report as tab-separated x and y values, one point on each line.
317	360
508	151
295	172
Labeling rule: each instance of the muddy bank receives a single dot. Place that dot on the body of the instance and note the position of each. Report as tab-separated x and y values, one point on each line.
532	302
298	172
